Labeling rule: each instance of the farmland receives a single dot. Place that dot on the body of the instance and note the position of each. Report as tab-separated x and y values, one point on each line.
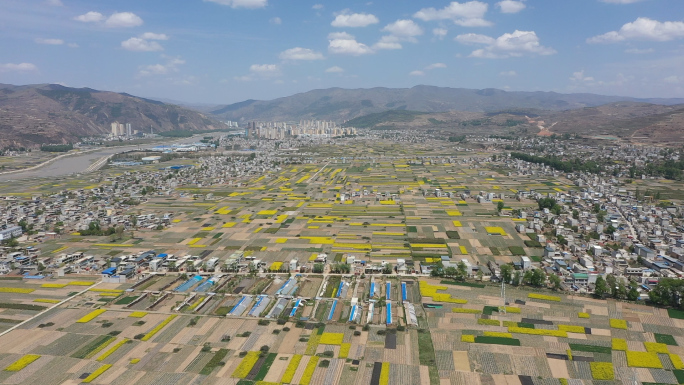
374	202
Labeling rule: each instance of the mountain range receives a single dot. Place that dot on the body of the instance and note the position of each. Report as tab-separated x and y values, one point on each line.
340	105
51	113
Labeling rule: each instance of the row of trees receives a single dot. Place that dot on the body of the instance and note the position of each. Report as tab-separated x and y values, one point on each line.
559	164
612	287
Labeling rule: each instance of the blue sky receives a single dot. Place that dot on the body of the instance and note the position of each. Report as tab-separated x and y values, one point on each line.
225	51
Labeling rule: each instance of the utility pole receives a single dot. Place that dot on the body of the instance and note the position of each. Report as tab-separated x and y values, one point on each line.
503	297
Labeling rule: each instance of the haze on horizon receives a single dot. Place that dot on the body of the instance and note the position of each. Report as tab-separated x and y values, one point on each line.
225	51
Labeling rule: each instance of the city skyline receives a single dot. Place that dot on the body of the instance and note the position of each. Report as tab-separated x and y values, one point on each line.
226	51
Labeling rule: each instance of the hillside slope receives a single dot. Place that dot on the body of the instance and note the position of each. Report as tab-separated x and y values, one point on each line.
344	104
35	114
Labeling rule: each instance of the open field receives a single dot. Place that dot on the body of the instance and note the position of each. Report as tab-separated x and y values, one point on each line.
329	328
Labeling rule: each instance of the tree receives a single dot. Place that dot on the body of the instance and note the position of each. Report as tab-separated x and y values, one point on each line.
620	291
600	287
527	277
499	206
633	294
318	268
555	281
462	270
516	278
450	272
575	214
611	282
538	278
506	273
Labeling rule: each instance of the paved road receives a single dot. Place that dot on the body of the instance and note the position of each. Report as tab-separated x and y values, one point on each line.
82	162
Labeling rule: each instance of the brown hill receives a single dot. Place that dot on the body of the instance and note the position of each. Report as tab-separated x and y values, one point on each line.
31	115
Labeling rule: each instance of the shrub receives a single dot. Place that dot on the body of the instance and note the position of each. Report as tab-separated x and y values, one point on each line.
643	360
286	329
618	323
357	333
602	371
324	364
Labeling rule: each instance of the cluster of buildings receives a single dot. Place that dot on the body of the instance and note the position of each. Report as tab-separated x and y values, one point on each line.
121	129
305	128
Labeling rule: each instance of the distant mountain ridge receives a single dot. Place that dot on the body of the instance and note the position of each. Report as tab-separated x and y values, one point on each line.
340	104
51	113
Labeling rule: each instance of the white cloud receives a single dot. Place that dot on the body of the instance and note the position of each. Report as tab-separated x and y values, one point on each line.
388	42
417	73
474	38
404	28
346	19
72	45
516	44
154	36
673	79
299	53
49	41
340	35
276	21
252	4
170	66
436	65
21	67
637	51
620	1
123	20
643	28
334	70
511	6
508	73
317	6
264	69
54	3
579	77
346	44
141	45
469	14
440	33
90	17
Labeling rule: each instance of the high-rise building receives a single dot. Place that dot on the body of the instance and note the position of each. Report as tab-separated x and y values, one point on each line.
115	129
129	129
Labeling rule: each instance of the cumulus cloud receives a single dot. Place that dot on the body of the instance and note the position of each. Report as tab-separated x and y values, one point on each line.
508	73
511	6
90	17
404	28
264	69
170	66
440	33
299	53
49	41
334	70
469	14
580	77
252	4
141	45
20	67
276	21
123	20
346	19
154	36
343	43
516	44
417	73
317	6
474	38
435	66
643	28
388	42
